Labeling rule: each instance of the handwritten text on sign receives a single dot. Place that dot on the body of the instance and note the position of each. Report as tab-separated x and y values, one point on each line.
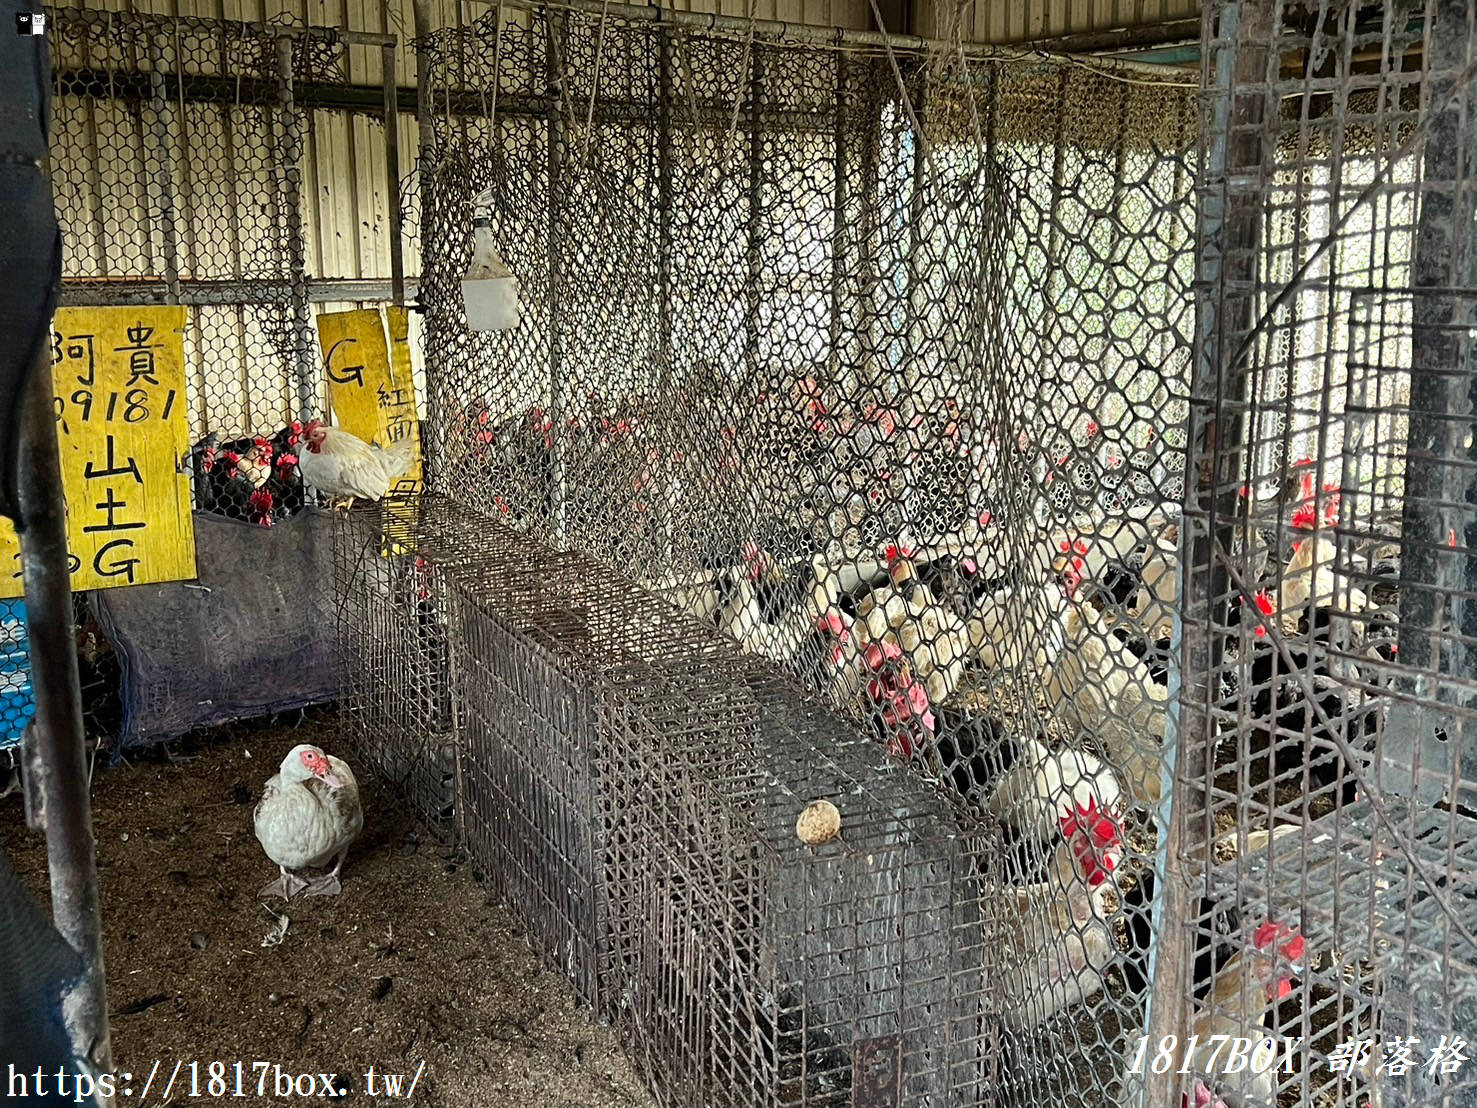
122	426
371	391
371	394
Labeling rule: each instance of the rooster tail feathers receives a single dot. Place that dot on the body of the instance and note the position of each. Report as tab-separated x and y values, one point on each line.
399	456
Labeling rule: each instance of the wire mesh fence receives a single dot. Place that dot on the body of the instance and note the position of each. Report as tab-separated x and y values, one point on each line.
877	361
890	364
180	173
188	160
1326	786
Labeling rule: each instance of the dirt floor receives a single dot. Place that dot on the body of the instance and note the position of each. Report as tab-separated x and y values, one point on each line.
416	962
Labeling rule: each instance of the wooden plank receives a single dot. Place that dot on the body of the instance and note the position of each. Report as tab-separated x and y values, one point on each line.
123	428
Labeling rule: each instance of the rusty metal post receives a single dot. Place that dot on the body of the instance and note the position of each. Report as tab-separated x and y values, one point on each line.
392	167
1230	231
55	738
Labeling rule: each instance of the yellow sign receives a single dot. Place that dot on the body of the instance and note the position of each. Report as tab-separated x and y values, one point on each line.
123	429
371	396
403	413
371	390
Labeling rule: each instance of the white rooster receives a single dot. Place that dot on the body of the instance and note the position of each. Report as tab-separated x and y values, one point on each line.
1059	941
343	466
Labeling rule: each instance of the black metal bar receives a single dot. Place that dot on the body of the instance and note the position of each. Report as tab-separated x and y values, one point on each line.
56	732
1231	212
151	25
290	188
392	168
81	293
1438	509
370	99
1171	33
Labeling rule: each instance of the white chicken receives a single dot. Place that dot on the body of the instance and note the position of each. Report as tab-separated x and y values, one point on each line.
343	466
307	816
1059	941
1310	577
1041	783
1109	692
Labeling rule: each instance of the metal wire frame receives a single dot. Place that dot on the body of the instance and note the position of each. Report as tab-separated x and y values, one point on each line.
1338	236
777	315
178	161
652	849
393	623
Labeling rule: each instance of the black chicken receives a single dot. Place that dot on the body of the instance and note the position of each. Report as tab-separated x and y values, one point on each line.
1217	938
227	488
202	462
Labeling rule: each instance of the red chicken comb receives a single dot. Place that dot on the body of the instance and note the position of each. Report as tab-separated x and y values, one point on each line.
896	552
1094	835
1264	605
1270	933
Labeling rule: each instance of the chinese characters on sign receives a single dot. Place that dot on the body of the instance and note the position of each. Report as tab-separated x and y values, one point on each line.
371	390
370	394
122	428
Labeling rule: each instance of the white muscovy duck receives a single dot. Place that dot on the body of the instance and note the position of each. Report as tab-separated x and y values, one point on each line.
308	815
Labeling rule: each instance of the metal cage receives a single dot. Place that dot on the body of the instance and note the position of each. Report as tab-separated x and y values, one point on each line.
1076	462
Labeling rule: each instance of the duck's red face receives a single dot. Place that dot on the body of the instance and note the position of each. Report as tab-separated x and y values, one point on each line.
316	763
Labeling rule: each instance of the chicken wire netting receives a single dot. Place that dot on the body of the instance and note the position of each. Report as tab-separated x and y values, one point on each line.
1327	782
876	361
185	155
181	169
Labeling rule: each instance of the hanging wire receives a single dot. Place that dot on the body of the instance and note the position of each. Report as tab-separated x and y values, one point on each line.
595	81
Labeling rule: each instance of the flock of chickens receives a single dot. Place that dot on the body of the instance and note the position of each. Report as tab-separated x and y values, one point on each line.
1070	634
262	480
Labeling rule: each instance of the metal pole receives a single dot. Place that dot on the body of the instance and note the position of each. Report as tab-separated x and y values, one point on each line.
55	736
392	167
292	215
426	174
163	142
1231	211
1434	516
556	153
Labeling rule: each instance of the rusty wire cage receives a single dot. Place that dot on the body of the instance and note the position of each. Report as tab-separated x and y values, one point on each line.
1326	785
848	425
